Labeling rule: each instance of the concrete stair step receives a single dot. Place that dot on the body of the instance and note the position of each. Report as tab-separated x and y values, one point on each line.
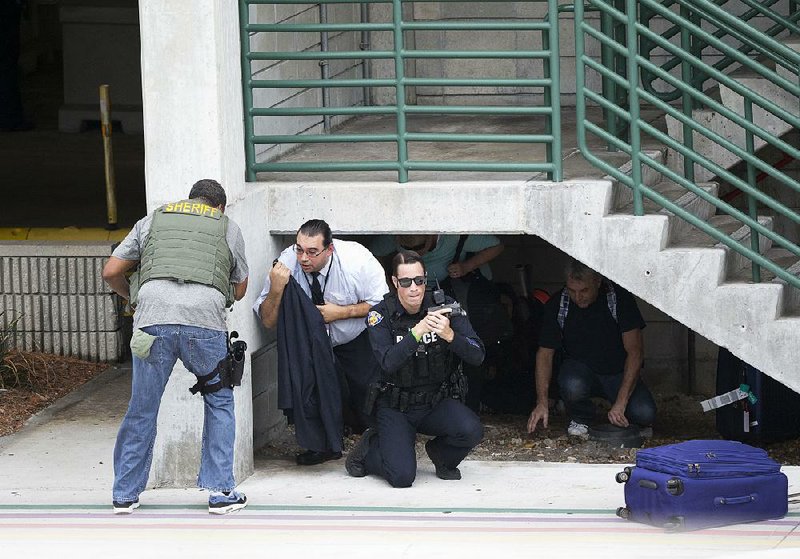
793	42
623	195
668	189
693	237
780	256
736	261
791	295
685	199
762	88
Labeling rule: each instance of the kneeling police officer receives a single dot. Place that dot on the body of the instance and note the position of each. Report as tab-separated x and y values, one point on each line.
419	346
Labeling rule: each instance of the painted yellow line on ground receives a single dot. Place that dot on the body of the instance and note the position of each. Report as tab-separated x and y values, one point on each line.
61	234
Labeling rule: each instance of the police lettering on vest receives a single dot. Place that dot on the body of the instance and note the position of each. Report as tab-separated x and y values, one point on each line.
427	338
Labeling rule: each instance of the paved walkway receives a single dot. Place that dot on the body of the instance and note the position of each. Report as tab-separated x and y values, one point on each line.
55	479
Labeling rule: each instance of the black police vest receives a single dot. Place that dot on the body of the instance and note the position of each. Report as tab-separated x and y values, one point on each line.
431	363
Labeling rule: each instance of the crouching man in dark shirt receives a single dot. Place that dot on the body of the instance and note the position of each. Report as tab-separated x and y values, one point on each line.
597	328
421	386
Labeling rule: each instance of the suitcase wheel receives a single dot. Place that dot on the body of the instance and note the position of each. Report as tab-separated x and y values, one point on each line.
624	475
674	524
624	513
675	487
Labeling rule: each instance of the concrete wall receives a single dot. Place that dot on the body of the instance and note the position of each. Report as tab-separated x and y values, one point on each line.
57	292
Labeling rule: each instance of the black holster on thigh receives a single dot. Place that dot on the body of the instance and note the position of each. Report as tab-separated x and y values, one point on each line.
230	369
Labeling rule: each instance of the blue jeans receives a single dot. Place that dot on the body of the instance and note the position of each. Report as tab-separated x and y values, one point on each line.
578	383
200	350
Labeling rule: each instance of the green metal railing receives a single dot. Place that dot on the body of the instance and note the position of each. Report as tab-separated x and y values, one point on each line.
781	24
695	19
257	125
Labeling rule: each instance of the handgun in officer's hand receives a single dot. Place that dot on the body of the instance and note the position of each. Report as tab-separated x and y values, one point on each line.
454	309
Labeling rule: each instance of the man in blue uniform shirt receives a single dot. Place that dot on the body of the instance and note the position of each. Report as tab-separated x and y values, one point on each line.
419	353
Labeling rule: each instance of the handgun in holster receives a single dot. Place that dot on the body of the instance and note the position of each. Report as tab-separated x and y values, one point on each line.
376	389
230	368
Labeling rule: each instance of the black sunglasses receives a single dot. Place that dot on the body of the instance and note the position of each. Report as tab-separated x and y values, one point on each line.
406	282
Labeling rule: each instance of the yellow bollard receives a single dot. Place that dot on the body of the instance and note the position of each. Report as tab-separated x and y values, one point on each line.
105	127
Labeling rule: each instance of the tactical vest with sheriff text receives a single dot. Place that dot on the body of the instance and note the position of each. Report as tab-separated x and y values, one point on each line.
187	243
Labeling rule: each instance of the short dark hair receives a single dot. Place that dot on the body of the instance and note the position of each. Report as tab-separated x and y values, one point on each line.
406	257
210	191
577	270
314	227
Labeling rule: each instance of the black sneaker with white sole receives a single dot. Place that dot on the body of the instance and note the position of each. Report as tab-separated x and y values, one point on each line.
125	507
222	503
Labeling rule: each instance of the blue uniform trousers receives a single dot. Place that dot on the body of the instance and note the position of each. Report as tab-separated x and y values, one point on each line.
392	454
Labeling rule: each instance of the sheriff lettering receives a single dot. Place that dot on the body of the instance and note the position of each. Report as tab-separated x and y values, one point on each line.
191	207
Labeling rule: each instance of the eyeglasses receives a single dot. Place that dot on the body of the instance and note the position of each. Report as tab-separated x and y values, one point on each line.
406	282
311	252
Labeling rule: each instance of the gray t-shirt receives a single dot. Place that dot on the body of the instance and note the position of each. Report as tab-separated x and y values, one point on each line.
169	302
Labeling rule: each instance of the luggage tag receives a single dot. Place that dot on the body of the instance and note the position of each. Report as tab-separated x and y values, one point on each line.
729	398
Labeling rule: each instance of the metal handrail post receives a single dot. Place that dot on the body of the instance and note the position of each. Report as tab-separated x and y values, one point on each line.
609	86
364	45
324	68
752	208
633	105
696	48
247	92
400	90
552	65
687	102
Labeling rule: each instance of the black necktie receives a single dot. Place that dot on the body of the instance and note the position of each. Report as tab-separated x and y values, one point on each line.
316	289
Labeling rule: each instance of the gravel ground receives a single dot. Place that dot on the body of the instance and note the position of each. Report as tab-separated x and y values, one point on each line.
680	418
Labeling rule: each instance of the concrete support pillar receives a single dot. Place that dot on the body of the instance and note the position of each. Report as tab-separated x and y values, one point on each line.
192	99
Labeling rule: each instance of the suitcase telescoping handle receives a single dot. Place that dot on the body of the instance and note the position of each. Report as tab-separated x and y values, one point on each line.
734	500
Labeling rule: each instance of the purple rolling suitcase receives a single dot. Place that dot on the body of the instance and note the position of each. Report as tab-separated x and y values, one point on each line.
702	484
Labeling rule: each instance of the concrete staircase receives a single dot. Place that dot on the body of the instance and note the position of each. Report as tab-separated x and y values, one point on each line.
679	269
717	123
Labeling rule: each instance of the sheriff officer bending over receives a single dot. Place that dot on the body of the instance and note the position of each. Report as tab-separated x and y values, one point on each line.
419	354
